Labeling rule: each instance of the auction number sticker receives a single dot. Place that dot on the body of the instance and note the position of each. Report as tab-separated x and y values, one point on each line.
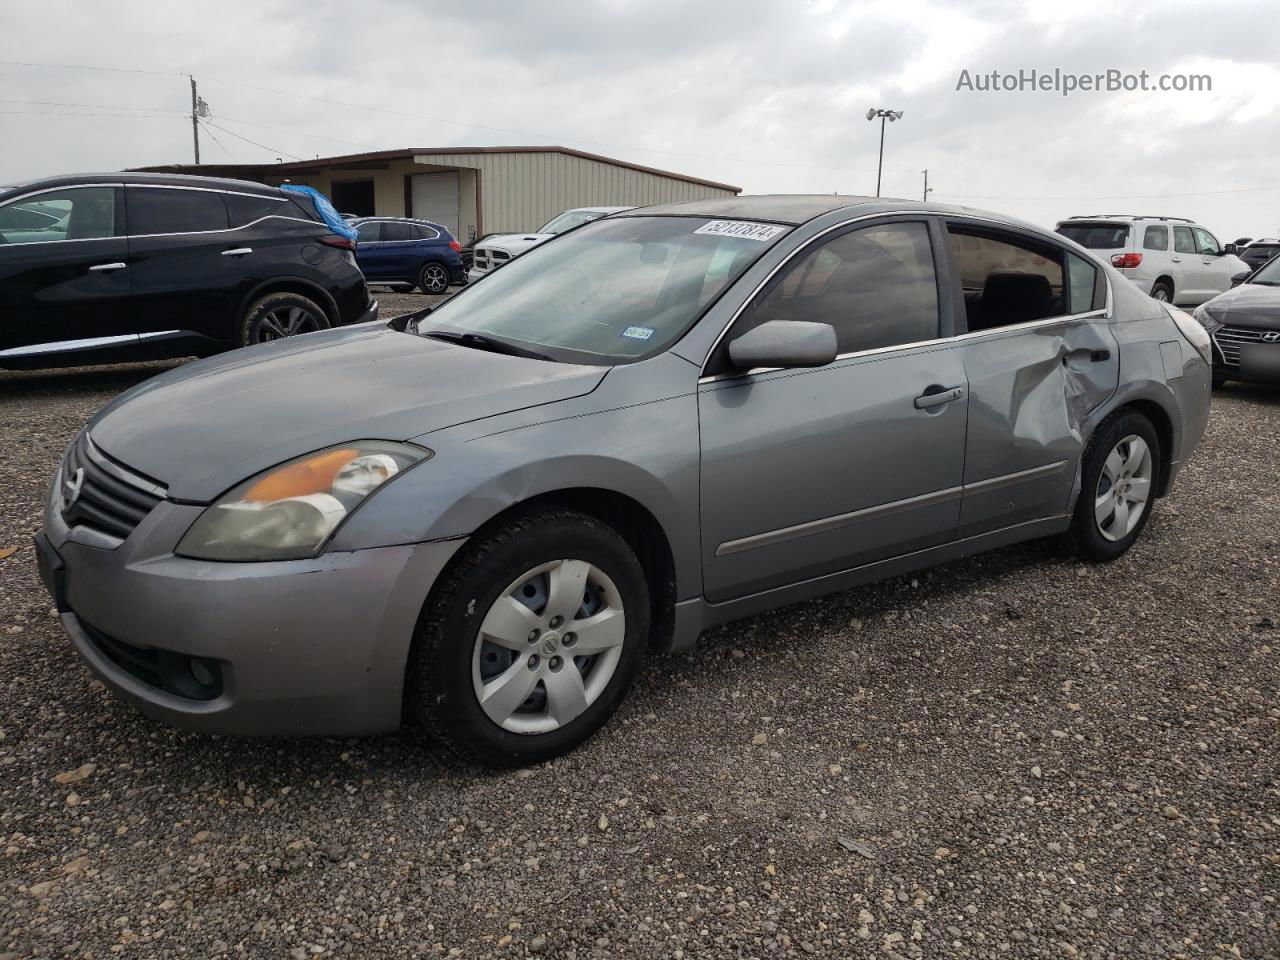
638	333
741	229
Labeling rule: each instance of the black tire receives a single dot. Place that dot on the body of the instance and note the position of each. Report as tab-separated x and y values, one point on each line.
276	316
440	691
433	278
1162	290
1085	534
1219	382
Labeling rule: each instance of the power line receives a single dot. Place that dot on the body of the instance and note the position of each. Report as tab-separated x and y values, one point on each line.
103	106
64	113
81	66
209	131
254	142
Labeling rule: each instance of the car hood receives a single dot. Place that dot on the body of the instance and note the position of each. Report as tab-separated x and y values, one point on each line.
1248	305
515	243
206	426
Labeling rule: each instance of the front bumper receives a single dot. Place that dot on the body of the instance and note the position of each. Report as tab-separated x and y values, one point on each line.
301	647
370	314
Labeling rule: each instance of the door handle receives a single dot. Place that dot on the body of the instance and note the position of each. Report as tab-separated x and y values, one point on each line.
107	267
237	251
947	395
1176	259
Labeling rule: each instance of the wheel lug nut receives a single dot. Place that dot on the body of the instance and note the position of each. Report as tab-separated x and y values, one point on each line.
533	662
533	636
555	663
570	639
556	621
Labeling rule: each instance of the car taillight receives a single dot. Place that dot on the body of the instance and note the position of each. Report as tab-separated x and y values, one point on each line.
455	246
337	240
1126	260
1195	334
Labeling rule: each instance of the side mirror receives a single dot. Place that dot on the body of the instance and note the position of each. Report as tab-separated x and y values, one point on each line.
1231	248
408	322
784	343
1241	277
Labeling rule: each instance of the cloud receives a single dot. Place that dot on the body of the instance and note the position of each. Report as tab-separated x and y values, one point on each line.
770	95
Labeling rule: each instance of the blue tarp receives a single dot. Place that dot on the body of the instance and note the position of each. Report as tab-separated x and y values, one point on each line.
324	208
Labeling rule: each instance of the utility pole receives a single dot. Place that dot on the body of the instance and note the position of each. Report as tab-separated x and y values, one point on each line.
927	189
195	125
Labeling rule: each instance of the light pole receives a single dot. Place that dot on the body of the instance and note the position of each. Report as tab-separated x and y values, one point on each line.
884	115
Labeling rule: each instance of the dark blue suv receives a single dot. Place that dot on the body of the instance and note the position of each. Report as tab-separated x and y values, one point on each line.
415	252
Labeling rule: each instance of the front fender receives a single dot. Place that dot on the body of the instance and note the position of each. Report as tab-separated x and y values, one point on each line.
647	452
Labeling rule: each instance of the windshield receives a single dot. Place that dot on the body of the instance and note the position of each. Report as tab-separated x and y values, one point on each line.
1268	273
569	220
614	291
1096	236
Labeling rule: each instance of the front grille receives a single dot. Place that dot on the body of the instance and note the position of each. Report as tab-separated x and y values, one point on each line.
1231	339
194	678
105	495
501	255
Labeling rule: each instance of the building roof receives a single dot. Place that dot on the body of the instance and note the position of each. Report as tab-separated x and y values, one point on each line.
379	157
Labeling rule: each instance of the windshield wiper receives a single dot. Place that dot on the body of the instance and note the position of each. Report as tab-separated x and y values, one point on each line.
479	341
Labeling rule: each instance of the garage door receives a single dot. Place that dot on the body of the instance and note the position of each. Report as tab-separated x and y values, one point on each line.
434	197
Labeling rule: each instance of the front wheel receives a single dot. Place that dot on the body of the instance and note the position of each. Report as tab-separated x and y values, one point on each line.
433	278
532	640
1118	485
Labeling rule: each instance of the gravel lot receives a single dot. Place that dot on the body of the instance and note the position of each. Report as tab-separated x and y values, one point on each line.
1014	755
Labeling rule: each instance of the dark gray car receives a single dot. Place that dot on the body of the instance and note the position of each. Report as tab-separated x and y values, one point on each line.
655	423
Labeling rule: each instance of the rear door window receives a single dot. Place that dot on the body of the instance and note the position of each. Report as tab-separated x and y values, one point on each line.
1155	238
1082	279
397	232
1183	241
1007	279
154	210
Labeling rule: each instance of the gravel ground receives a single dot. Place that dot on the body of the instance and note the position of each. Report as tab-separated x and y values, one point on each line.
1014	755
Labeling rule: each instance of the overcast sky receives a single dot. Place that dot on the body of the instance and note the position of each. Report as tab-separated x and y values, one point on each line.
771	96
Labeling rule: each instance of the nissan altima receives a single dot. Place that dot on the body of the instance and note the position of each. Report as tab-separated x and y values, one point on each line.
485	516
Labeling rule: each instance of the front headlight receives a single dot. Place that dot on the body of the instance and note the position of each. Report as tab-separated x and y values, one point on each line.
1206	319
290	511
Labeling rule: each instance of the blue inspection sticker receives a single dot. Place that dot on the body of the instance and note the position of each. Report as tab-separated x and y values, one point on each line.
638	333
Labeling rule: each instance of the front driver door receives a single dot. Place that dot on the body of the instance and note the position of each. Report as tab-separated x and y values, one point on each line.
64	273
809	472
371	255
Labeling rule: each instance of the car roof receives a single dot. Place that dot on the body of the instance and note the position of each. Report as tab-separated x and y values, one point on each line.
144	179
1122	216
595	210
422	223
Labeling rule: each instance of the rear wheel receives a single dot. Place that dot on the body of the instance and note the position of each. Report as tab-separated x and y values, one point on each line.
1118	484
532	641
433	278
1162	291
280	315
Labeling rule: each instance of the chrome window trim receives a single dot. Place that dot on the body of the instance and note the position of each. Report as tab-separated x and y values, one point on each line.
417	223
183	233
183	186
704	377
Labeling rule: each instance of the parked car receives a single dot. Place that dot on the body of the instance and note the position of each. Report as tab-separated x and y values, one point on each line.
487	514
109	267
1259	252
468	251
1172	259
500	248
414	252
1245	326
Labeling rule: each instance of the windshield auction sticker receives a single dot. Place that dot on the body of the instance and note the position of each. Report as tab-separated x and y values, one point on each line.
741	229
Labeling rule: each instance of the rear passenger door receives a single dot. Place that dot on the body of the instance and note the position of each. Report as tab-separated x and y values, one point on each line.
181	279
807	472
370	255
402	248
1039	356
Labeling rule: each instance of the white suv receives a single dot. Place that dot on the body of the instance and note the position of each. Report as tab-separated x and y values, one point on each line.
1170	258
493	252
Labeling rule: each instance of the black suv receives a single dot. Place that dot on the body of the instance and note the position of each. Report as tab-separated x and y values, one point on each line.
102	268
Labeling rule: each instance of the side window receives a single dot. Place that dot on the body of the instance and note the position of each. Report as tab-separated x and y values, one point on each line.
1183	242
167	210
1209	246
399	231
243	209
85	213
876	286
427	233
1007	280
1082	278
368	232
1156	238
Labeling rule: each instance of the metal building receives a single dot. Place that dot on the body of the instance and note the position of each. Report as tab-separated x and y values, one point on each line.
475	190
